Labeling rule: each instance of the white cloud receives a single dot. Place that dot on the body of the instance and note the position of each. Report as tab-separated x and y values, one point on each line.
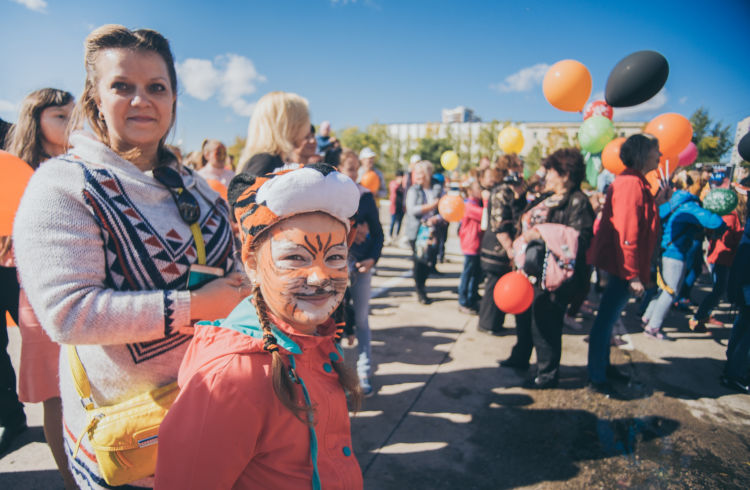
199	77
523	80
8	107
650	106
35	5
683	99
230	78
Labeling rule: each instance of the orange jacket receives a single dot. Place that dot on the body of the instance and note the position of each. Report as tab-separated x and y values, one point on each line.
228	430
628	230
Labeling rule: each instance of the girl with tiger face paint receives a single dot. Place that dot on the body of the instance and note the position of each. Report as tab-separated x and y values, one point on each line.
301	269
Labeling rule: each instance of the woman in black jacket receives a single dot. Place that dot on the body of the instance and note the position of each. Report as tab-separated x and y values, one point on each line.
562	202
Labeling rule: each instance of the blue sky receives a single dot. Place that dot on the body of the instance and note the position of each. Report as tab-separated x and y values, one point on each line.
359	62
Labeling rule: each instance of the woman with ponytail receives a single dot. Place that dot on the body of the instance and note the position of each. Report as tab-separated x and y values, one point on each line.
263	392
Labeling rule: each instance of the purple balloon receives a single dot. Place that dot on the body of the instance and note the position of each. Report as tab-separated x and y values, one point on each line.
688	155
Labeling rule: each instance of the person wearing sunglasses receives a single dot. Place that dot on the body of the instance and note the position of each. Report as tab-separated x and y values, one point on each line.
107	236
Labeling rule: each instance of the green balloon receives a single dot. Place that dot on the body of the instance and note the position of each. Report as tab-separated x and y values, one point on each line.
720	201
593	167
595	133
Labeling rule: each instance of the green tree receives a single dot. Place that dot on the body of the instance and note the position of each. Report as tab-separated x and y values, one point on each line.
235	150
533	160
712	139
431	149
487	139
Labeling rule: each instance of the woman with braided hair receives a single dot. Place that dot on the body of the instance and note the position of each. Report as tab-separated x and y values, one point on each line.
263	392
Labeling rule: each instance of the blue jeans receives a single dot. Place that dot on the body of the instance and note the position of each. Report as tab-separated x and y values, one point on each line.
738	349
468	288
360	291
673	273
720	277
614	299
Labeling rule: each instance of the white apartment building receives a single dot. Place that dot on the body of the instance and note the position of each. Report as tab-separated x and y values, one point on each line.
408	134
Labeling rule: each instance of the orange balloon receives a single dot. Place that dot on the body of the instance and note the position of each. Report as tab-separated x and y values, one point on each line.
371	181
567	85
15	175
218	187
653	181
611	156
513	293
673	131
451	208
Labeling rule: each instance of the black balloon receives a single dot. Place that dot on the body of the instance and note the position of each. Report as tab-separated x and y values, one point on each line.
636	78
744	147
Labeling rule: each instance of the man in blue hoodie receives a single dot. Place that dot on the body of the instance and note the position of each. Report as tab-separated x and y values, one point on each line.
683	221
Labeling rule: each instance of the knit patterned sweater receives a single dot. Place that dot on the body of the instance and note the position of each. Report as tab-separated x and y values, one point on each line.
103	256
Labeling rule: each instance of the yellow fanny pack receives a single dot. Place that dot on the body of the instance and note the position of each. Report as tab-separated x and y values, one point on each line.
124	436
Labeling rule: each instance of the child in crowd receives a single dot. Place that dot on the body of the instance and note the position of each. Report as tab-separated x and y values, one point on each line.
213	162
263	392
40	134
470	235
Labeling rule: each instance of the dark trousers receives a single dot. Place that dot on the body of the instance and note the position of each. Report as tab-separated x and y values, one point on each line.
11	410
468	288
491	318
421	271
396	219
540	327
738	348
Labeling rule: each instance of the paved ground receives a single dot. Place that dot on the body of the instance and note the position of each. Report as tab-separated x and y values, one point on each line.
445	415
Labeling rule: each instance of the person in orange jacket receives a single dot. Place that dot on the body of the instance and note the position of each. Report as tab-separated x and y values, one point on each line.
263	392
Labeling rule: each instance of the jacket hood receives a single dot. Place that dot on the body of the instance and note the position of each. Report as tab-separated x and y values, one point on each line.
241	333
681	197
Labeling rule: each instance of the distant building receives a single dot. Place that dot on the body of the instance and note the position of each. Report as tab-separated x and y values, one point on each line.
534	133
743	127
459	114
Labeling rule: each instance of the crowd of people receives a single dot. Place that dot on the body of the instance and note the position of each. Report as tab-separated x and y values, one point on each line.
227	286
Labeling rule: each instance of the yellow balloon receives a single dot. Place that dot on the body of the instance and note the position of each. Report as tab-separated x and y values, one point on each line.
510	140
449	160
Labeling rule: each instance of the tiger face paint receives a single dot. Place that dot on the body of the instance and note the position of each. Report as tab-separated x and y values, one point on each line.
302	270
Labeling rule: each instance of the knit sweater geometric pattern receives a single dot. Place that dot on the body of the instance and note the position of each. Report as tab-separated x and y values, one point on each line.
103	256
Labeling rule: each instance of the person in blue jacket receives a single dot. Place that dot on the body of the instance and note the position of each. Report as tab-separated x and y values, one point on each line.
363	255
683	222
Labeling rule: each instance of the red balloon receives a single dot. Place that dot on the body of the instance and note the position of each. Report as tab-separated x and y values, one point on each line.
688	155
513	293
673	131
15	175
598	108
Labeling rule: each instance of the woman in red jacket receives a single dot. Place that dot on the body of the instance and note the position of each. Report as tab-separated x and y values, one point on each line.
622	247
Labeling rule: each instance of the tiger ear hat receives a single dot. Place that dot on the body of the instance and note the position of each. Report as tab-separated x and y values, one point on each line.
261	202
